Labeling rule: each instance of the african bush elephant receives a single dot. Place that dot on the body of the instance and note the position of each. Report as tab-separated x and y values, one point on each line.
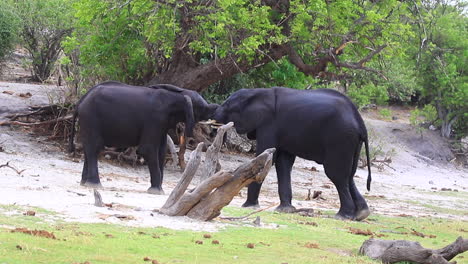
114	114
320	125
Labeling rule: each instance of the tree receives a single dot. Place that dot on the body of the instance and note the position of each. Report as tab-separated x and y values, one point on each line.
442	58
195	44
8	28
44	25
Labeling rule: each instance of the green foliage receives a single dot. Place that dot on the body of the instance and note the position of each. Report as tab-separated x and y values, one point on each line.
385	113
416	121
442	62
401	81
8	28
44	24
111	43
134	41
368	94
429	113
280	73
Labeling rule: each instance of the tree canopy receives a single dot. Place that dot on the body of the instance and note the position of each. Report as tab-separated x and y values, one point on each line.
376	51
197	43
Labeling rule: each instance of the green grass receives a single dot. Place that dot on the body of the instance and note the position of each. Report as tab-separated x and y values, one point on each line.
77	242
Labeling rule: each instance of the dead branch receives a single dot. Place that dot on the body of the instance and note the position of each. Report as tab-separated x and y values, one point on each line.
187	176
172	151
7	165
249	214
212	194
211	156
255	170
97	199
8	123
392	251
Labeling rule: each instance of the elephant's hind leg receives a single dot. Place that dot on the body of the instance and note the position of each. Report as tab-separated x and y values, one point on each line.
362	210
84	174
338	168
91	166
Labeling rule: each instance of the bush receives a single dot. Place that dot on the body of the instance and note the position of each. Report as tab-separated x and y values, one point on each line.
8	29
385	113
44	24
368	94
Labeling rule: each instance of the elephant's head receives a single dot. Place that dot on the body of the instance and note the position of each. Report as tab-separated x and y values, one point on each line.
196	107
248	109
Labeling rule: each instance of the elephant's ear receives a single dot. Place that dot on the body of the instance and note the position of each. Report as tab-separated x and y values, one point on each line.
189	116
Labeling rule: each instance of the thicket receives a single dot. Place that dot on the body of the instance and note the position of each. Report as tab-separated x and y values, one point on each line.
377	52
8	29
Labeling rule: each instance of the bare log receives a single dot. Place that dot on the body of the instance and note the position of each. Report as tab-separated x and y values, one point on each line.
255	170
211	157
181	152
7	123
172	151
205	204
189	200
392	251
187	176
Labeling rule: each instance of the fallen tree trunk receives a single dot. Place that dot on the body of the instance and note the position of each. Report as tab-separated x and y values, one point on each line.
392	251
214	192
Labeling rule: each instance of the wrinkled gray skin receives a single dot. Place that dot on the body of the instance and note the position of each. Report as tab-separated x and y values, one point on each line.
320	125
114	114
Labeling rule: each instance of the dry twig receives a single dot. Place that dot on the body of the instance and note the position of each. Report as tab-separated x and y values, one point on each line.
7	165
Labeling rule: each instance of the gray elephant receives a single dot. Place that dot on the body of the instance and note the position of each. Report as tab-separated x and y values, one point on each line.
114	114
320	125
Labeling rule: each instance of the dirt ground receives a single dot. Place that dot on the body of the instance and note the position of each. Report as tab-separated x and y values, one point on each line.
419	181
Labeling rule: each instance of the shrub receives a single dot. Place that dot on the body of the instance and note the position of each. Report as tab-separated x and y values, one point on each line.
8	29
367	94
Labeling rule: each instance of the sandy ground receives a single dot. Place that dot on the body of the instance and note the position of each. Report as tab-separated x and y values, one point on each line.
50	177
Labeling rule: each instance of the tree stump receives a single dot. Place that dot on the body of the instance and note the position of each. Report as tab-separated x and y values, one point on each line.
392	251
214	192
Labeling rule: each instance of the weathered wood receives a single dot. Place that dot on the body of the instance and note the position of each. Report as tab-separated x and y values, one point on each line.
172	151
255	170
392	251
181	153
8	123
187	176
189	200
209	165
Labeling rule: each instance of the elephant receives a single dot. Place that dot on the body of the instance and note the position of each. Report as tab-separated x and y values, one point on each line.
114	114
320	125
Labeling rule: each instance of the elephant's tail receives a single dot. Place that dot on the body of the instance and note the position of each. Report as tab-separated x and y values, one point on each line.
369	178
71	144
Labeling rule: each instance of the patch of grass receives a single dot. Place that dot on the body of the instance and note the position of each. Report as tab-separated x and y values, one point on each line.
296	240
440	209
385	113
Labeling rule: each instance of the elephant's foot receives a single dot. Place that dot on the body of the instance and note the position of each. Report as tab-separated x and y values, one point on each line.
251	205
344	216
94	185
362	214
286	209
155	190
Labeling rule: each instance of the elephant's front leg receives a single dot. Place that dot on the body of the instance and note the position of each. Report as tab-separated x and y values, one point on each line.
151	155
162	155
284	163
265	140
